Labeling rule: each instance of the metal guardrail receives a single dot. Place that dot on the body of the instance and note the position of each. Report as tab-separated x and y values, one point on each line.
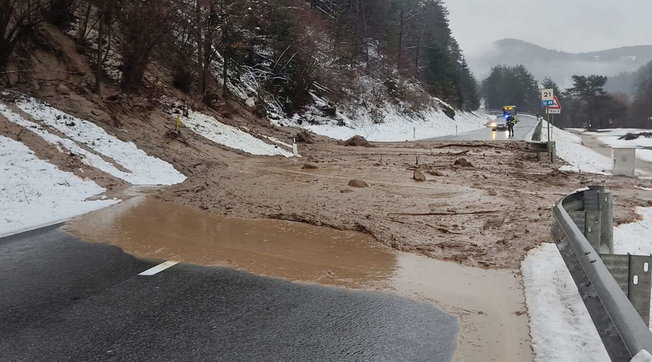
536	135
582	227
536	145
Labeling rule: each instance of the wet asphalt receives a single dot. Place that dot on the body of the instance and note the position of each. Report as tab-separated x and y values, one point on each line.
521	130
65	299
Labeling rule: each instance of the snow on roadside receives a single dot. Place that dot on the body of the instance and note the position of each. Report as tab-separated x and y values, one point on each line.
610	138
143	169
398	127
230	136
34	192
634	238
580	158
560	325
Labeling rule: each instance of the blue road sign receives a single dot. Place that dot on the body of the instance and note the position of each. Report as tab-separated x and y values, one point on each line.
548	103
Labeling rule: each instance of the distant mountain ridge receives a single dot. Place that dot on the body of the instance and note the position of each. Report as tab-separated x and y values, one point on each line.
558	65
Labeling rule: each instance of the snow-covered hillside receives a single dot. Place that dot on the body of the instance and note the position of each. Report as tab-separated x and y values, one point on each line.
34	192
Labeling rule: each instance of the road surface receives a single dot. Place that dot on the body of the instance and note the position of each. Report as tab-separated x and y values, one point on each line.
521	130
65	299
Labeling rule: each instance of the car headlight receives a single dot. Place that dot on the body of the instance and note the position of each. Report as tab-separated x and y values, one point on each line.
492	124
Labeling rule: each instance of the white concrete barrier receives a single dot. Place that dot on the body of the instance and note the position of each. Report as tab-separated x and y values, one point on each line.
624	161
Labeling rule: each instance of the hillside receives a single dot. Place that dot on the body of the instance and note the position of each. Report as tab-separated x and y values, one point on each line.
557	65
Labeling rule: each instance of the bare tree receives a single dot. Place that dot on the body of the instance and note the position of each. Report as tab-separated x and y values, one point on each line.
17	19
144	22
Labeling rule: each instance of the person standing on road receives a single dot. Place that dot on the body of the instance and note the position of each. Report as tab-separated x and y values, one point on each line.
511	121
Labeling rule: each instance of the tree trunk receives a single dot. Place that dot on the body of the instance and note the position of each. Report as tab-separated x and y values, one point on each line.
99	58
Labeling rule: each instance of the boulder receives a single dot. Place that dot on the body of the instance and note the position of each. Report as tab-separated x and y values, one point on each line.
356	141
358	183
463	162
419	176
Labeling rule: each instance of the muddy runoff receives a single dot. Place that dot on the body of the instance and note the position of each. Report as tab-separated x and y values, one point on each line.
489	303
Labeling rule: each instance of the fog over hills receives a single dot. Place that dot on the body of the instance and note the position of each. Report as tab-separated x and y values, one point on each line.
557	65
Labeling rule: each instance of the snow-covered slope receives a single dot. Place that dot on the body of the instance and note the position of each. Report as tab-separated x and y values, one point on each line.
231	137
93	144
34	192
580	158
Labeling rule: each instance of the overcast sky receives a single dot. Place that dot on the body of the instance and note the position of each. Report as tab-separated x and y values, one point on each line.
567	25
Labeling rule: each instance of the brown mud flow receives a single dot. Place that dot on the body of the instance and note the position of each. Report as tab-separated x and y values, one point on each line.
489	303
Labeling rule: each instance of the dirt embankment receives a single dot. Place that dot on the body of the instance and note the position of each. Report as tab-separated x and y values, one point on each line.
482	204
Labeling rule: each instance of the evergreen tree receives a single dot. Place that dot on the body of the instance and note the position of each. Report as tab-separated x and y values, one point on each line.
511	85
642	106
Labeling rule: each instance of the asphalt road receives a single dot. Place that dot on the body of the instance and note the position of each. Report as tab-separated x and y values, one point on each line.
521	130
64	299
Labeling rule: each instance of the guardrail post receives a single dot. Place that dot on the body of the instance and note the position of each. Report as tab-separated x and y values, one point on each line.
593	216
640	283
606	221
634	276
552	149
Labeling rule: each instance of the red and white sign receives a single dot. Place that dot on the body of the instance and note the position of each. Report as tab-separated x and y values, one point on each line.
554	109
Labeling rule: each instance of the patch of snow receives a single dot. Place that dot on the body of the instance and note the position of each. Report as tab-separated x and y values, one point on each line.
34	192
642	356
560	325
143	169
580	158
230	136
634	238
610	137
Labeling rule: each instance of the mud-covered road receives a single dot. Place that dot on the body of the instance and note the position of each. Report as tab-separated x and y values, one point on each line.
482	204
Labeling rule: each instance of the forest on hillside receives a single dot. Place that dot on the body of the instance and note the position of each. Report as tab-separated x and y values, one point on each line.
282	51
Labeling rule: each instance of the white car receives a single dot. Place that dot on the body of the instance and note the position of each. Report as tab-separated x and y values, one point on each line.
498	123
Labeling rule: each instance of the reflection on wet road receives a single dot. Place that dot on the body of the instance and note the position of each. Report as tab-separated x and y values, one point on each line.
489	303
521	131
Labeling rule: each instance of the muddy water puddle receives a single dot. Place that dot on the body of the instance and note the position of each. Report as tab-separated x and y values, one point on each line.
489	303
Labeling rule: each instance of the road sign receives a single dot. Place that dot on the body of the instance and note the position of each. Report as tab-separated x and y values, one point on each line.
547	94
555	108
548	103
556	104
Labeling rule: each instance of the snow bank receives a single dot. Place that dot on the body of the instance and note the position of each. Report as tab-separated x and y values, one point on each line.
398	127
229	136
34	192
140	168
580	158
560	325
610	137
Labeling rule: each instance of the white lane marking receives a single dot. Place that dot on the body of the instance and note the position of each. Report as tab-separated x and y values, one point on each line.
159	268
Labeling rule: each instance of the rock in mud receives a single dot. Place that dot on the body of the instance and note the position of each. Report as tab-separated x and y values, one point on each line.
356	141
463	162
419	176
309	166
358	183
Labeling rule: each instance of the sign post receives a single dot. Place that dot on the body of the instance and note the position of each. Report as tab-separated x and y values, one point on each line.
547	100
